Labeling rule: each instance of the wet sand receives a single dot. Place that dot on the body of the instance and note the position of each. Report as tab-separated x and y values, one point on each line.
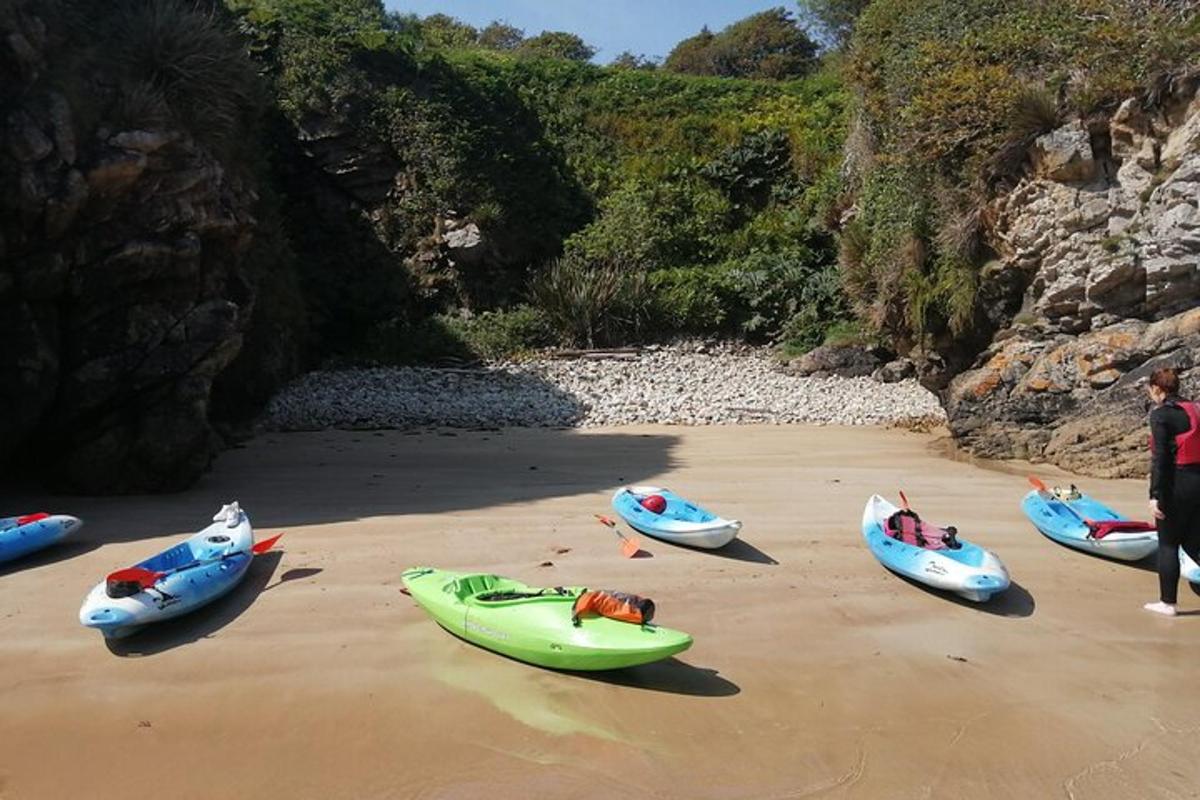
815	673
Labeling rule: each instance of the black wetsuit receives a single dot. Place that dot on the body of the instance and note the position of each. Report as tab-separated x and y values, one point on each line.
1177	490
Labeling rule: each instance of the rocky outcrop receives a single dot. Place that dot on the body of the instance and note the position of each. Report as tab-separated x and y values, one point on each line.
1103	237
120	279
845	361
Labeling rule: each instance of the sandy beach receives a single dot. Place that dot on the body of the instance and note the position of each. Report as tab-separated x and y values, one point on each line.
815	673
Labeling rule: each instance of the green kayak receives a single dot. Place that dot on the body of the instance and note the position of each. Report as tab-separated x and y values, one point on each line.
534	625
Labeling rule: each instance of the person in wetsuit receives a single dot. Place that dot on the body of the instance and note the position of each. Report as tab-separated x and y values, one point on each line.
1174	482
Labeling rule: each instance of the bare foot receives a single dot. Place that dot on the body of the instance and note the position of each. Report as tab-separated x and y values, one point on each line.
1166	609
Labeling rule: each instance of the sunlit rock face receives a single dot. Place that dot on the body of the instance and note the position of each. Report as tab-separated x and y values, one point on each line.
1104	234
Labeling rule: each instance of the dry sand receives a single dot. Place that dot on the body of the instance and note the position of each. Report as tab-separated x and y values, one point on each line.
815	673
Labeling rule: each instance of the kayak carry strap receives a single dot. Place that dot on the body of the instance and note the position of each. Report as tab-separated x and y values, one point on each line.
614	605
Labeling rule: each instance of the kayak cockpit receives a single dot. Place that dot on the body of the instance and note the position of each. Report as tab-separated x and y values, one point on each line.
493	590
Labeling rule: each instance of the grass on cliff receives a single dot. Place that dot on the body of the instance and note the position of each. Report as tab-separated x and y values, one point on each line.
950	96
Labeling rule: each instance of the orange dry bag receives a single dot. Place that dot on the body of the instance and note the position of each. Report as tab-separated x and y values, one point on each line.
615	605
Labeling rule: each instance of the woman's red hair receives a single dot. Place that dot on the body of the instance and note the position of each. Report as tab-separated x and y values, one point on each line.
1166	378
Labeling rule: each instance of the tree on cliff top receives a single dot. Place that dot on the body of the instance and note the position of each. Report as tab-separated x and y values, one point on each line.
629	60
442	30
769	44
836	18
499	35
557	44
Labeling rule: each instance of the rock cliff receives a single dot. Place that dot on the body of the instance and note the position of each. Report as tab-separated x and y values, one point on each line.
122	237
1097	284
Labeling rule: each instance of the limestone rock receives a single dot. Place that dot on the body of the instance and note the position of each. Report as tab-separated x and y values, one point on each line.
1185	139
844	361
1065	154
1071	400
465	238
895	371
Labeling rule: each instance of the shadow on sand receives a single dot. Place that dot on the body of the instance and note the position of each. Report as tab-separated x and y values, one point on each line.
671	675
313	478
738	550
1015	601
203	622
51	555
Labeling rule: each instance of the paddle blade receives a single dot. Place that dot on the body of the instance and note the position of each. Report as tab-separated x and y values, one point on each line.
629	547
904	502
261	547
1036	483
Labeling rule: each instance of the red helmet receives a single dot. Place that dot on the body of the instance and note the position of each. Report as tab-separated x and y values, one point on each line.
654	503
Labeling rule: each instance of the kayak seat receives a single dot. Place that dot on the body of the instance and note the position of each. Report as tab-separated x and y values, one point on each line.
469	585
1101	528
178	556
909	528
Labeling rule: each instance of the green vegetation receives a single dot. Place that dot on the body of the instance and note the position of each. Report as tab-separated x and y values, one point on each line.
621	201
769	44
735	191
951	96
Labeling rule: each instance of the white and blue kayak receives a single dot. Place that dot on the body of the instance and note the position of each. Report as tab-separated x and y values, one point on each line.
191	574
665	515
1084	523
24	535
945	562
20	536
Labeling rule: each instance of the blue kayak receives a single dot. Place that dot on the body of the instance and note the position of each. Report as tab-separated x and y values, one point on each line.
967	569
1061	516
185	577
679	522
20	536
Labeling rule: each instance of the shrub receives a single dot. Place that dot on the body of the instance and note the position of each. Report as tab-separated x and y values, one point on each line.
423	341
698	300
775	288
494	335
174	59
845	333
590	304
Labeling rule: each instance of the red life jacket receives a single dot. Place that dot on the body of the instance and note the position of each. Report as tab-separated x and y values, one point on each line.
1187	444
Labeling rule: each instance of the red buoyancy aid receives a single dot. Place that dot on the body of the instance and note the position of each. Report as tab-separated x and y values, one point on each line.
907	527
1187	444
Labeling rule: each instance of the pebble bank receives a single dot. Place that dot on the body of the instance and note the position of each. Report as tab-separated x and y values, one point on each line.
679	385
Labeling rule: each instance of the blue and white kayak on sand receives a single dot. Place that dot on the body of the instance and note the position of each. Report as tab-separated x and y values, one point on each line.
1066	521
967	570
191	574
678	522
20	536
